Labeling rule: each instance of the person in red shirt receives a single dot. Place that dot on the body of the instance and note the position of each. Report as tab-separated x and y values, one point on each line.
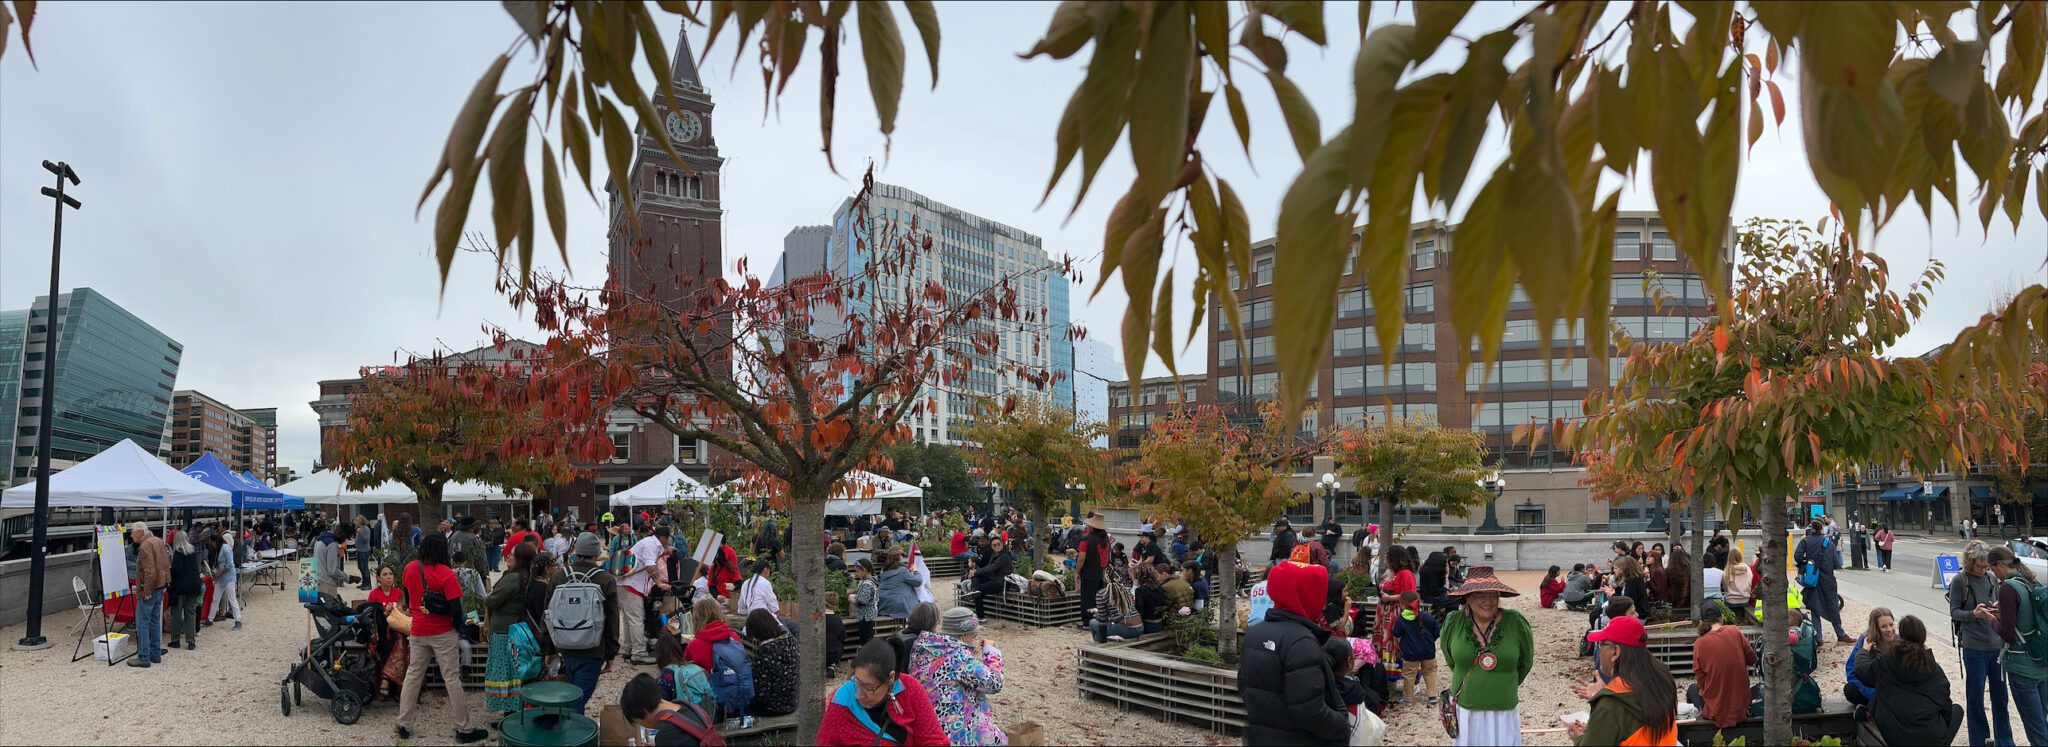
434	639
725	572
519	534
1553	585
879	706
958	546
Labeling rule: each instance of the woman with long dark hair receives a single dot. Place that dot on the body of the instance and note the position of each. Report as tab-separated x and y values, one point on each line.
434	639
2013	617
1639	704
1434	579
1678	578
1400	577
1912	705
506	606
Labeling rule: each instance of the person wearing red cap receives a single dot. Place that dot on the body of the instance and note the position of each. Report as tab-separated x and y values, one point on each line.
1639	705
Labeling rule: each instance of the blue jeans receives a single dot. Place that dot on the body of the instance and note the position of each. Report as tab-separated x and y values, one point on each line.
363	569
149	627
1980	668
492	554
2030	696
1103	630
583	674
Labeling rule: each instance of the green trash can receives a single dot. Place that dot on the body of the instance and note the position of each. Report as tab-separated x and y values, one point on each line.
548	722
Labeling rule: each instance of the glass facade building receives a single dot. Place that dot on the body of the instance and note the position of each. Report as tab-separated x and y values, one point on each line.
114	372
13	338
974	254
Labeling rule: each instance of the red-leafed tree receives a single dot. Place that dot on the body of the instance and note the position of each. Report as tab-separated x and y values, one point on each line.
445	419
802	382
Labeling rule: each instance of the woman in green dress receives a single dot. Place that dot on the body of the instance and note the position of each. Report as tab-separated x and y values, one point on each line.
1490	651
506	606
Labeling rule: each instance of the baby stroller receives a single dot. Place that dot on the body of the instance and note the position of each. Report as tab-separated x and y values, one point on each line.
339	665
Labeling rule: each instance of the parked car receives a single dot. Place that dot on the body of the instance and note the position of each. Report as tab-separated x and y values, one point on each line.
2032	551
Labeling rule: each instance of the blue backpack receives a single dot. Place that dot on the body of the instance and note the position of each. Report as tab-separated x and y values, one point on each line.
732	677
527	661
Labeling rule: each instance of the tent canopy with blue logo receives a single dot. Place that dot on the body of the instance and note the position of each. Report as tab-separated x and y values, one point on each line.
123	476
291	502
247	493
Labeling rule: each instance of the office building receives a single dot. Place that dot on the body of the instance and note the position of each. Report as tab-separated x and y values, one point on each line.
266	418
115	374
1095	368
1132	410
201	424
1657	296
973	254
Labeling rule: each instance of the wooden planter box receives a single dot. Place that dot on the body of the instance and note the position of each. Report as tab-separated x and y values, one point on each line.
1673	645
944	566
1043	612
1134	676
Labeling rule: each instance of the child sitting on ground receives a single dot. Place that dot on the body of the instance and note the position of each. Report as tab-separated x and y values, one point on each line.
1416	632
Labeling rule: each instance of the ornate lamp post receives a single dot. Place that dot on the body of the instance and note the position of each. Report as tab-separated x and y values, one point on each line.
1495	484
925	485
1074	490
1329	486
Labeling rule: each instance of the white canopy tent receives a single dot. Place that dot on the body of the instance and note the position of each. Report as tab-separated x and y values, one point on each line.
123	476
329	487
469	491
856	499
659	489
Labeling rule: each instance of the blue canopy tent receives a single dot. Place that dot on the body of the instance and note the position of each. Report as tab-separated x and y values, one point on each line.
248	494
291	502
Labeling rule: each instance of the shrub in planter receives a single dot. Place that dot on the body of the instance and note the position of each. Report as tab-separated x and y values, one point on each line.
1203	654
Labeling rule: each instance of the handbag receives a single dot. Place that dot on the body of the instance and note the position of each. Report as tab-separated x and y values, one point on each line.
432	600
1447	710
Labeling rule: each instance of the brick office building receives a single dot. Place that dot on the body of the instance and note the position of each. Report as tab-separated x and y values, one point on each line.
1132	410
201	424
1360	380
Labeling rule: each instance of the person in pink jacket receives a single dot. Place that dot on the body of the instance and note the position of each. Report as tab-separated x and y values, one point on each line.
1884	547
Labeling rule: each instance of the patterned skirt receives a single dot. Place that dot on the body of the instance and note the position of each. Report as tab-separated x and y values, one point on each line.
501	680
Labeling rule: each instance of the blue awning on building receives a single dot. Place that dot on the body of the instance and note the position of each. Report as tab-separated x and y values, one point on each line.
1980	492
1899	494
1940	491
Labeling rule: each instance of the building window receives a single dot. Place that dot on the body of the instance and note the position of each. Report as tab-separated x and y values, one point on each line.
1424	254
621	446
1349	341
1421	298
1524	375
1409	377
1520	334
1228	388
1418	514
1628	245
1504	417
1255	313
689	450
1353	303
1188	393
1418	336
1345	417
1262	271
1262	349
1234	284
1661	248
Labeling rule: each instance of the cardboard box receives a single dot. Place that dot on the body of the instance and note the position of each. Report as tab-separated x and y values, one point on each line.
111	647
613	729
1026	734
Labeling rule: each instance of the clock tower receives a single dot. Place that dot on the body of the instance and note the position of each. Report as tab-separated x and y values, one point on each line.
669	245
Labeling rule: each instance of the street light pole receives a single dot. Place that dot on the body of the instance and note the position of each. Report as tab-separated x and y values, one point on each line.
924	484
1496	485
33	639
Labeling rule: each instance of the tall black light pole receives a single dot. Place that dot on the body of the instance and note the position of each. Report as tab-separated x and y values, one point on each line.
33	637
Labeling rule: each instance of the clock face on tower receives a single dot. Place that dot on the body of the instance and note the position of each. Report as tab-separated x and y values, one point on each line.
684	127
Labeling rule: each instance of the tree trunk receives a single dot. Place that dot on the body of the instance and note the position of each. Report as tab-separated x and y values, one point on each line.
1226	603
1699	554
1778	679
1386	531
807	560
1036	505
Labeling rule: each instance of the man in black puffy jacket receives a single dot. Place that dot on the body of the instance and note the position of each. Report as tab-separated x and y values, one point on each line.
989	577
1290	693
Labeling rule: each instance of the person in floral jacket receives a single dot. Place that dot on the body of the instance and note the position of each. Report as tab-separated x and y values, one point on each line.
960	670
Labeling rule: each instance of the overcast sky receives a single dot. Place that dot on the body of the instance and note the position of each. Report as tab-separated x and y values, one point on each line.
250	172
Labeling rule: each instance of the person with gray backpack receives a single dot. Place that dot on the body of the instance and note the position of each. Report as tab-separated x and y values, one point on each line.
583	616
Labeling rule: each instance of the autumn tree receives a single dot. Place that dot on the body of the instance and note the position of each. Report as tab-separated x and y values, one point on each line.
1036	448
1225	477
1795	383
445	419
1611	476
1414	462
802	383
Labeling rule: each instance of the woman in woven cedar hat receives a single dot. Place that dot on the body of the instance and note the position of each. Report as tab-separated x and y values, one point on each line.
1491	651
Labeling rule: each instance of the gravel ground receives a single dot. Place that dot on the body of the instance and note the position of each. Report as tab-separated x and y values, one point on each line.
230	692
227	692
